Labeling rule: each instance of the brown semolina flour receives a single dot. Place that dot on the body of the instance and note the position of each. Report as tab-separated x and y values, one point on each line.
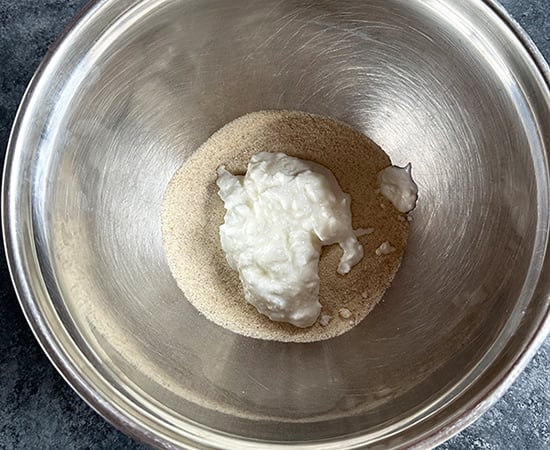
192	213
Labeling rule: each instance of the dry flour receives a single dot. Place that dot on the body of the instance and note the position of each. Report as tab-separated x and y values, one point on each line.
192	213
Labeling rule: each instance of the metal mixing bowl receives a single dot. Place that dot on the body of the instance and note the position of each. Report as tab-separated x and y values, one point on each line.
135	87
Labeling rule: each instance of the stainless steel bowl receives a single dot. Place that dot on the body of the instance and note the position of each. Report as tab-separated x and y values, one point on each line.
135	87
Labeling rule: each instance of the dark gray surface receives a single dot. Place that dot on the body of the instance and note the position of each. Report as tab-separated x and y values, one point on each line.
39	411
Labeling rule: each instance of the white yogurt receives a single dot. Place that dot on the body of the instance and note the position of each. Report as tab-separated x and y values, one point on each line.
398	186
384	249
278	217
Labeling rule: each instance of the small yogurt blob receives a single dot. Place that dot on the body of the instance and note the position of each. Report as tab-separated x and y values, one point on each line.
278	217
397	185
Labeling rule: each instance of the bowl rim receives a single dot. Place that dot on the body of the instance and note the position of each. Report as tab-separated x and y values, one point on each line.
25	290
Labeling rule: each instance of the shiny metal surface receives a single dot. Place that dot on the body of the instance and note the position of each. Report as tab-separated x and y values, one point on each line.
136	86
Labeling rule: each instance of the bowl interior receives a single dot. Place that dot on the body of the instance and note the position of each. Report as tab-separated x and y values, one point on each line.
138	86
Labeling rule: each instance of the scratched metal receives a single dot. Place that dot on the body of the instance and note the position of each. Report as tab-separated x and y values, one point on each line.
136	86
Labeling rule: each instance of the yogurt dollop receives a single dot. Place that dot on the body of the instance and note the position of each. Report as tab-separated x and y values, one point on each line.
278	217
397	185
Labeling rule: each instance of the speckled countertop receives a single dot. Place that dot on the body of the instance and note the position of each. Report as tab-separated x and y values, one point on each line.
39	411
